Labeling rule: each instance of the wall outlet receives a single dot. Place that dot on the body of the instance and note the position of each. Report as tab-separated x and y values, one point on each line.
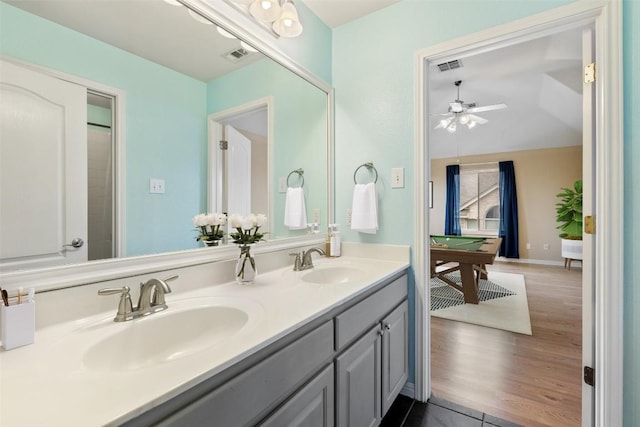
349	216
545	246
528	245
316	215
397	178
156	186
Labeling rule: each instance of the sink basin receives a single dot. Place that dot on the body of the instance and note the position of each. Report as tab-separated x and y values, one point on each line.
334	275
163	337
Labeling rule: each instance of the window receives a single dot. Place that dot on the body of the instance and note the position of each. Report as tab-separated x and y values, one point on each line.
480	199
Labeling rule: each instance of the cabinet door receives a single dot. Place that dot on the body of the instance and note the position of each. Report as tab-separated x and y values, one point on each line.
311	406
358	386
395	354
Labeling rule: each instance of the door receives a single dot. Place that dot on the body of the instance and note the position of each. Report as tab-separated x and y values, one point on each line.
43	169
238	167
588	240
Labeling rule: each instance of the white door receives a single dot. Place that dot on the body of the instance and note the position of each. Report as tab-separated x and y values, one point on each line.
43	169
588	240
238	167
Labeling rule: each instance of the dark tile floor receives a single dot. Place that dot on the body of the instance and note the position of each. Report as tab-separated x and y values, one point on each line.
406	412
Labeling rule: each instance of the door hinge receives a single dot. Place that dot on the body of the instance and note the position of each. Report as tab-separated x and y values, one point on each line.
589	376
224	145
590	73
589	225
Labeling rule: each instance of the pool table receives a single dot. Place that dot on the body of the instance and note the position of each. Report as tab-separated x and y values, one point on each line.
471	254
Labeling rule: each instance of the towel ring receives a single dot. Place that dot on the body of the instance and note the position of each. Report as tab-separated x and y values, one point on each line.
369	166
300	173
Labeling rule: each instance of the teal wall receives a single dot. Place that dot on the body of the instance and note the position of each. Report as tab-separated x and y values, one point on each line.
373	76
631	49
165	125
300	130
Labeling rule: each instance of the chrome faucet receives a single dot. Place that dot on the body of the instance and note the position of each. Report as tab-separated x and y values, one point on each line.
303	259
151	299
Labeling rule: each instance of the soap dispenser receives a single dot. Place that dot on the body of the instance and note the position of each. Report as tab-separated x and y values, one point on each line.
334	241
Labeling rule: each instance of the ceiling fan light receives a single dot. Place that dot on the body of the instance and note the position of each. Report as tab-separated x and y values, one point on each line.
471	124
445	122
265	10
288	24
464	119
452	127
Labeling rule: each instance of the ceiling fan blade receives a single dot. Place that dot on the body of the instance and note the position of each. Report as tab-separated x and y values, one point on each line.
479	120
486	108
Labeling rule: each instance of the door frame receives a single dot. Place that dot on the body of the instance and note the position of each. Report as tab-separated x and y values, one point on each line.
606	16
119	141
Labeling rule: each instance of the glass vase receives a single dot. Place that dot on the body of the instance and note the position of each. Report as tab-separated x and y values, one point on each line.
209	243
245	266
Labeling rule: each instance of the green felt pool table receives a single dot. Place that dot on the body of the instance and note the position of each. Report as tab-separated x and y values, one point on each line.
471	254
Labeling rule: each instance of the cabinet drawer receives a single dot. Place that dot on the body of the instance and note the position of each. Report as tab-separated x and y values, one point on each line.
250	395
355	321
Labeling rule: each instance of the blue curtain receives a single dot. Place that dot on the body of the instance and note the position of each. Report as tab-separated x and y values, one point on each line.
508	211
452	210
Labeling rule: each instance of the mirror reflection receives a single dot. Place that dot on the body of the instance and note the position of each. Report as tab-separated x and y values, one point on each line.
156	88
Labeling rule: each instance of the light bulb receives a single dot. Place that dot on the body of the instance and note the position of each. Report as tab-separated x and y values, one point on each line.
452	127
444	123
288	24
471	124
464	119
265	10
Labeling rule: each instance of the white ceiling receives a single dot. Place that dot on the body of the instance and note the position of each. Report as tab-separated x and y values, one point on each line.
539	80
337	12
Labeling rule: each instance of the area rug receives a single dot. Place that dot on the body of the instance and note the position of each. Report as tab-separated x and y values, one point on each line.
503	303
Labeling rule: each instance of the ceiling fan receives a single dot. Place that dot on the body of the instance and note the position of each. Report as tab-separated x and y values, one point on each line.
461	113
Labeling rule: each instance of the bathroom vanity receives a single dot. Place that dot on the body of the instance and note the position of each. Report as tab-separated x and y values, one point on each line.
327	346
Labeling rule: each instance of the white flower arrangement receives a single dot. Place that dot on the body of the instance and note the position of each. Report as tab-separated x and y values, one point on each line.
210	226
247	228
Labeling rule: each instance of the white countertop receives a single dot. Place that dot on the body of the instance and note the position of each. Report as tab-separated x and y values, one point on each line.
49	383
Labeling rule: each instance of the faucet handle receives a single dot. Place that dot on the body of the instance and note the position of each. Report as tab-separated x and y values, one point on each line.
298	261
125	307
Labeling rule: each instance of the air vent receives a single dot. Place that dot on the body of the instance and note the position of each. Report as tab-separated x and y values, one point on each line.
451	65
236	55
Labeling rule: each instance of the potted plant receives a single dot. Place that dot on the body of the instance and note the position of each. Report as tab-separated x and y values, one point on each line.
569	218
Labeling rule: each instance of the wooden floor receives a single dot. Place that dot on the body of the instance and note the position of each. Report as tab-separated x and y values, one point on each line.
530	380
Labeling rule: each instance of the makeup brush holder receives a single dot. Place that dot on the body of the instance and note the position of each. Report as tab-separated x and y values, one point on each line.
18	324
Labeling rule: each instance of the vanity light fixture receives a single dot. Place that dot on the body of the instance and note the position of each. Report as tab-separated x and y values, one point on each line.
283	18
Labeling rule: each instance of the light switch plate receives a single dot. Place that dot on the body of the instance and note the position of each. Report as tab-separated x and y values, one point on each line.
397	177
156	186
282	184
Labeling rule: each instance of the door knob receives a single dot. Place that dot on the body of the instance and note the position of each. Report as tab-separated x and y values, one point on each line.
76	243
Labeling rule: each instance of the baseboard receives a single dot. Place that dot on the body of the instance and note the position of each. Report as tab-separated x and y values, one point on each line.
409	390
531	261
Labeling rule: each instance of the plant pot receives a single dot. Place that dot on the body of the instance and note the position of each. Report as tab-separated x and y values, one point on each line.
572	249
246	266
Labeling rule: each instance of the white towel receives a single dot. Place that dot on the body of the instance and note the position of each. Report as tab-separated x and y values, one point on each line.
295	213
364	210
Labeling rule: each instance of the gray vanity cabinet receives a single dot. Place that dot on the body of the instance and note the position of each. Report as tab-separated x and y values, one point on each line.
395	354
344	368
359	371
310	406
371	372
